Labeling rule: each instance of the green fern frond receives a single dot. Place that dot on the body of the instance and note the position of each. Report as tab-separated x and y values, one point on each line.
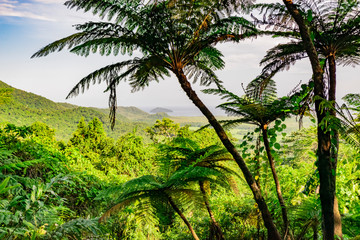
262	89
120	9
59	45
76	229
103	74
117	207
4	188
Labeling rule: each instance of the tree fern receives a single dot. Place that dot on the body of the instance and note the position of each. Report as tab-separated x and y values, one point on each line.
146	191
129	29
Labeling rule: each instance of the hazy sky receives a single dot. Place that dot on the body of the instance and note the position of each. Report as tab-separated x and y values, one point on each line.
28	25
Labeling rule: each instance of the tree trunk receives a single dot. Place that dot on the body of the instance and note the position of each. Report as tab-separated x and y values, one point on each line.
337	220
178	211
273	233
258	167
335	141
217	232
287	234
258	163
315	232
325	166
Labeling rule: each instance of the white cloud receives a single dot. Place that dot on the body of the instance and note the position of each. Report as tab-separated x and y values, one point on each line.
11	8
49	1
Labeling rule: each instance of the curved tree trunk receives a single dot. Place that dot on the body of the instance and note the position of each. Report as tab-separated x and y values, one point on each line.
273	233
287	234
178	211
325	165
217	232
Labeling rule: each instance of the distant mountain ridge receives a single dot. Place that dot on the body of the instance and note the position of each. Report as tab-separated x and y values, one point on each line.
26	108
161	110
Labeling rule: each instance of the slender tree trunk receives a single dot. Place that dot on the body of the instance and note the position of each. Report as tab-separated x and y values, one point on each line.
257	160
315	232
273	233
335	142
178	211
258	167
217	234
287	234
337	220
325	166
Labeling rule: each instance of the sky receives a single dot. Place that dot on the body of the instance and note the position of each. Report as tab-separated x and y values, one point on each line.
28	25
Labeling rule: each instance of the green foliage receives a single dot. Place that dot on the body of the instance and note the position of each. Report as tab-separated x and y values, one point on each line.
91	138
133	156
92	178
36	203
163	131
43	131
5	95
57	190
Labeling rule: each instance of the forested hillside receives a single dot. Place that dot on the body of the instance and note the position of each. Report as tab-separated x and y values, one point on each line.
23	108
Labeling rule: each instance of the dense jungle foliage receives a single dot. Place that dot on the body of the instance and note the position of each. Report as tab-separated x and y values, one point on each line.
67	190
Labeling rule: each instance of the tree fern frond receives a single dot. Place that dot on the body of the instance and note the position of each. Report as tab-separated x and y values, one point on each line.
200	71
262	89
274	15
228	124
103	74
76	229
169	40
226	95
190	174
187	198
121	9
348	128
107	46
148	69
147	182
59	45
117	207
281	57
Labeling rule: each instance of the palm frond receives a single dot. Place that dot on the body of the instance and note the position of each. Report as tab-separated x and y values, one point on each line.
76	229
148	69
143	183
187	198
274	15
59	45
349	129
117	207
191	174
108	73
278	58
262	89
121	9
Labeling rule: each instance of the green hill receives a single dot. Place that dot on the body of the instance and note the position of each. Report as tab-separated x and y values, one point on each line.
25	108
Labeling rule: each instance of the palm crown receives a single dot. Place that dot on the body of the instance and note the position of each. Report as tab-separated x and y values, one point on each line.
260	111
334	31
